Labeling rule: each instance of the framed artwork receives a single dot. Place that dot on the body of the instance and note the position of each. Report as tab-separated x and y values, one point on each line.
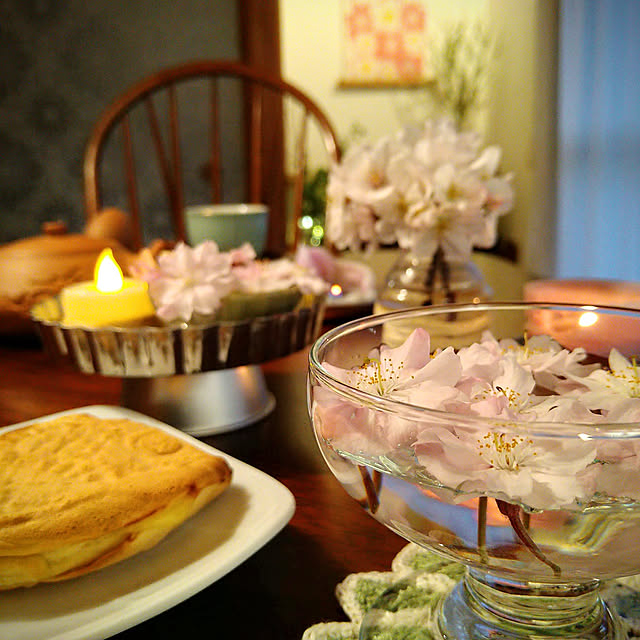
385	43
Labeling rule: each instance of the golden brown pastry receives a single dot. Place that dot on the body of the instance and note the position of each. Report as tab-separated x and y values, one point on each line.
78	493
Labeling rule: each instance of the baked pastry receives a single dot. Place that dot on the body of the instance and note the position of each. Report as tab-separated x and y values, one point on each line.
78	493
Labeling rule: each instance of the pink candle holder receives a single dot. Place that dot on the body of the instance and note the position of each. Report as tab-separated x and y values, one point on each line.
588	292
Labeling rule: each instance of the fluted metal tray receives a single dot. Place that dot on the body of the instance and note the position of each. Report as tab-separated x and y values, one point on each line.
153	351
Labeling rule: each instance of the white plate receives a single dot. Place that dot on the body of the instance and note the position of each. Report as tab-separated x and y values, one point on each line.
253	509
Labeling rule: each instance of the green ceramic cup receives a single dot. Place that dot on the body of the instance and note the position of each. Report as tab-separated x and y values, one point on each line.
229	225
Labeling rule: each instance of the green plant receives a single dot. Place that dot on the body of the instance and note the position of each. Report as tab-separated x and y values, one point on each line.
460	61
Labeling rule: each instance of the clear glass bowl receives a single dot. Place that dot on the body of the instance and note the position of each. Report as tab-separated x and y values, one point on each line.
540	512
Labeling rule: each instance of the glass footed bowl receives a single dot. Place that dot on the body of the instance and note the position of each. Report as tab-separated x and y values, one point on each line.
527	470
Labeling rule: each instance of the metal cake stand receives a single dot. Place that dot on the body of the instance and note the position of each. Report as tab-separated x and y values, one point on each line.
203	379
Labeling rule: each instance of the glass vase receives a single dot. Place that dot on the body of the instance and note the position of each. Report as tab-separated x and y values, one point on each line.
417	280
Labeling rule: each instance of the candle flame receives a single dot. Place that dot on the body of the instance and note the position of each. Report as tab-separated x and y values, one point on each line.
336	290
107	274
587	319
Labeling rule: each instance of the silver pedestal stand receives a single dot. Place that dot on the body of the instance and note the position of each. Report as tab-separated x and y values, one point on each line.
203	379
202	404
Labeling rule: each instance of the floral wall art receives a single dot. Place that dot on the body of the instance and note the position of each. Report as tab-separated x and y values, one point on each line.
385	43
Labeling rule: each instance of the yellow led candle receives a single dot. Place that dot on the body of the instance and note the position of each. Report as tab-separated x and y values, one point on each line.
111	299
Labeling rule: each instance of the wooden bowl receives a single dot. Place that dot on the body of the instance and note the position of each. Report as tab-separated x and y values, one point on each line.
37	267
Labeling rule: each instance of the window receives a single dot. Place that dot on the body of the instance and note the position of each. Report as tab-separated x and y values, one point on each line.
598	188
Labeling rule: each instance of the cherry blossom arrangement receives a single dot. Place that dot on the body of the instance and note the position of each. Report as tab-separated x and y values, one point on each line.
427	187
512	400
187	282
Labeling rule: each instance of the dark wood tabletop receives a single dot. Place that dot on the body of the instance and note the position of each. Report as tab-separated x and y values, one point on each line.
287	585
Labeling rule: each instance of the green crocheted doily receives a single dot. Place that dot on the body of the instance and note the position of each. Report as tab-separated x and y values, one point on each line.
406	598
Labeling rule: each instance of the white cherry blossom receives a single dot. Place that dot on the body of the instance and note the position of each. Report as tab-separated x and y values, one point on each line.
503	443
400	372
426	187
507	395
553	367
540	473
607	387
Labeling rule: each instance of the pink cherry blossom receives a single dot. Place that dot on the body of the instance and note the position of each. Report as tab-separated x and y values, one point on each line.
188	282
191	281
483	420
276	275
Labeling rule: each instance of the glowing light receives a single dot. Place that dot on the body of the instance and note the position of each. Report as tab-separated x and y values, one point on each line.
335	290
107	274
588	318
306	222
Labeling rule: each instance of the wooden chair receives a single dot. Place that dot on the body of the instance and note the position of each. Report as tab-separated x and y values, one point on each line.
272	124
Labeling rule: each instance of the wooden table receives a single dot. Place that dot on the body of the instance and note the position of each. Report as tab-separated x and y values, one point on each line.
286	586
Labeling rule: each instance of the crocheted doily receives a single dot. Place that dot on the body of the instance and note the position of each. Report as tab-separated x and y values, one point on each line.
422	579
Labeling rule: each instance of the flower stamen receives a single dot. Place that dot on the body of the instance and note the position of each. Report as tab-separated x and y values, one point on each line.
504	453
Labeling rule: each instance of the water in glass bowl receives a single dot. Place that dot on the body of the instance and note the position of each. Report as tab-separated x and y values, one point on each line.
551	546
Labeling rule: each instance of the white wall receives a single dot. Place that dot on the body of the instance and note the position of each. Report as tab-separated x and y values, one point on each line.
519	114
311	45
522	120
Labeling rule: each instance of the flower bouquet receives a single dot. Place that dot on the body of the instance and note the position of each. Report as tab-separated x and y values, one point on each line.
432	189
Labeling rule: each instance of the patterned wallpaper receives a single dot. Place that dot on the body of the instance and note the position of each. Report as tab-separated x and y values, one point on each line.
61	63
